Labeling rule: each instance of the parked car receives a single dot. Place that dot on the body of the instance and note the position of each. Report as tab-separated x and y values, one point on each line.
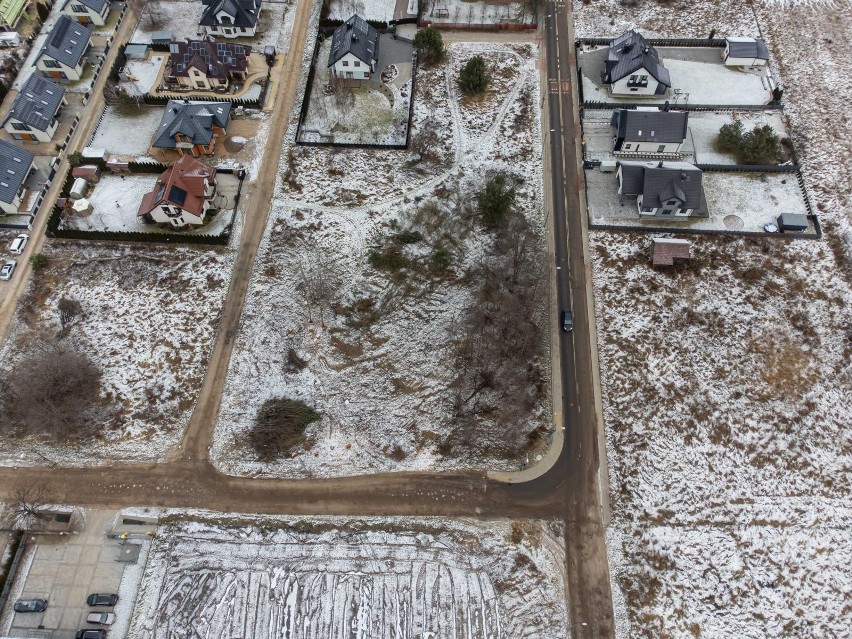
18	244
567	321
91	633
7	270
100	599
101	618
30	605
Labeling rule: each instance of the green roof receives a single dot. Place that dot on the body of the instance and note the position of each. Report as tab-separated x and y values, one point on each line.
10	11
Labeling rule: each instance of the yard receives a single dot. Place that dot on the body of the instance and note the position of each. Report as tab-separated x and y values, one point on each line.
375	113
147	319
324	577
724	380
472	13
375	355
127	133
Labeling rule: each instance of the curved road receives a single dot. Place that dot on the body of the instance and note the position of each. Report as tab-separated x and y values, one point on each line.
569	491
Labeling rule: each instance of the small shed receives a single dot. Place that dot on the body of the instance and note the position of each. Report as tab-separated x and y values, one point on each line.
795	222
90	172
117	165
666	251
82	207
78	189
134	51
745	52
161	37
91	153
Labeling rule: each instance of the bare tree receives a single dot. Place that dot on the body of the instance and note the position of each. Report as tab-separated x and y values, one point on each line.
69	310
319	279
26	508
52	392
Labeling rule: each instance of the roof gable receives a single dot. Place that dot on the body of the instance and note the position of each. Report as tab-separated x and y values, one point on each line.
661	182
15	164
182	185
37	103
629	53
194	120
95	5
67	41
244	13
357	37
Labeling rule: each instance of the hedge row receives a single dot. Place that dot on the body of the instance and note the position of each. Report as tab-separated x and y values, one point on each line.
162	100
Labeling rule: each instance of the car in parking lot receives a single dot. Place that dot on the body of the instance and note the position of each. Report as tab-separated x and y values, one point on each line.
7	270
101	618
91	633
18	244
100	599
567	321
30	605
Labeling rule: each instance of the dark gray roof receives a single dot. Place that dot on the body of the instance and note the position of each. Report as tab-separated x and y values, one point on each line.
357	37
658	182
630	52
67	41
651	126
37	103
95	5
15	163
747	48
195	120
244	12
793	220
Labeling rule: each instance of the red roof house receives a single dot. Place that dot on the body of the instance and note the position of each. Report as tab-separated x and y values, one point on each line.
182	195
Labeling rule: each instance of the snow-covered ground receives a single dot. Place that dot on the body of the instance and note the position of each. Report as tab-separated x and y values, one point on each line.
372	577
378	10
480	12
128	135
181	17
149	317
726	382
144	73
383	386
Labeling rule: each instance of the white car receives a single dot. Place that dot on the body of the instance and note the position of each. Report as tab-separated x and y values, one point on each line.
18	244
102	618
7	270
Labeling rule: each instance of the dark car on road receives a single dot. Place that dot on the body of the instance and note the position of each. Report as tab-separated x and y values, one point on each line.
91	633
98	599
567	321
30	605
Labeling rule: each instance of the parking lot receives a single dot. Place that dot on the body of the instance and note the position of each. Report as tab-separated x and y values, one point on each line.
65	570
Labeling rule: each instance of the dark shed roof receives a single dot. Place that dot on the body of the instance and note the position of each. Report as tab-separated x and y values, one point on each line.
630	52
67	41
15	164
747	48
357	37
37	103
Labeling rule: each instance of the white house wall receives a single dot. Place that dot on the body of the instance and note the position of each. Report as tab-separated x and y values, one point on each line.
71	73
92	16
621	88
649	147
361	72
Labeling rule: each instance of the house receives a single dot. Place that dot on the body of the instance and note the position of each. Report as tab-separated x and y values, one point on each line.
666	251
15	167
648	131
192	126
633	67
87	11
33	116
182	194
354	50
207	64
663	190
745	52
63	54
10	12
230	18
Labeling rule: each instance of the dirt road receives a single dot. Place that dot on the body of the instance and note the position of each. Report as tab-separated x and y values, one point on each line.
199	433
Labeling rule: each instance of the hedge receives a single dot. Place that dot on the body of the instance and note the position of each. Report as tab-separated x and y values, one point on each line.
162	100
120	61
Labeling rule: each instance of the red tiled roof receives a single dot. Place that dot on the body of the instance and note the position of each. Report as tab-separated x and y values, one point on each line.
189	176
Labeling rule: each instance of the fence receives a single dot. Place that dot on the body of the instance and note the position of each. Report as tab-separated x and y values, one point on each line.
817	234
659	42
598	106
463	26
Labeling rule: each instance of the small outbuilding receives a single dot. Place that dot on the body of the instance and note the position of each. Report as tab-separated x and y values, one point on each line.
667	251
89	172
162	37
137	51
745	52
793	222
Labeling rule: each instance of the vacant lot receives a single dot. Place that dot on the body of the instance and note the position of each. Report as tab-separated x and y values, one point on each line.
323	577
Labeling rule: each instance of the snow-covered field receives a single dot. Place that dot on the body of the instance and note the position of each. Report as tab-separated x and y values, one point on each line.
379	377
128	135
144	73
333	577
148	319
726	382
378	10
181	17
467	12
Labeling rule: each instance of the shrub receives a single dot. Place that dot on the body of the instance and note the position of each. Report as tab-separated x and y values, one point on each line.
761	145
440	262
279	426
495	201
408	237
388	259
474	77
730	137
38	262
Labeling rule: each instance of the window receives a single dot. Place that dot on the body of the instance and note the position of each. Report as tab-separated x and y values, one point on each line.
78	8
661	148
346	63
638	81
20	126
348	74
199	84
671	203
357	64
627	147
50	64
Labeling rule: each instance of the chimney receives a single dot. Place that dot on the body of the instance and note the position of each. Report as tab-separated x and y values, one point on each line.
660	165
666	106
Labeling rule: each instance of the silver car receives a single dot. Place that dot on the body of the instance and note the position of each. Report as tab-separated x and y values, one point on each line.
7	270
101	618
